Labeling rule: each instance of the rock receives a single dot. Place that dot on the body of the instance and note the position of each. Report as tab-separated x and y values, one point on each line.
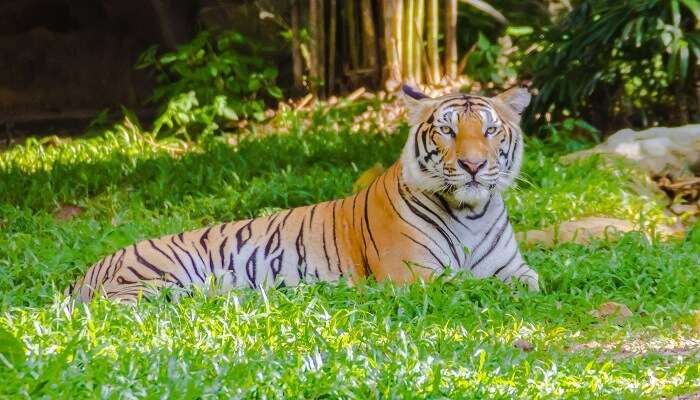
583	231
680	209
66	212
612	309
659	151
523	345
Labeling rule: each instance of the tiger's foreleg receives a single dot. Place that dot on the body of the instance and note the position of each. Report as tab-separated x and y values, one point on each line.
517	270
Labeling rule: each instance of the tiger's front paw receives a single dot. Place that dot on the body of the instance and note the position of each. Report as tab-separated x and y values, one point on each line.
528	277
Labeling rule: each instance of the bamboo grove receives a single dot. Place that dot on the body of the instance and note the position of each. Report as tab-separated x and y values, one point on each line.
341	44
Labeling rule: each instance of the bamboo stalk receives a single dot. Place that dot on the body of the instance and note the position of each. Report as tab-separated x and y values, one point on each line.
408	39
352	34
369	37
321	30
419	19
433	72
451	39
314	70
332	45
398	31
297	62
387	13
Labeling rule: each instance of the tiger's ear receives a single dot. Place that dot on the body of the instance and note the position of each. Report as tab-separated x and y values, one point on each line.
517	99
418	105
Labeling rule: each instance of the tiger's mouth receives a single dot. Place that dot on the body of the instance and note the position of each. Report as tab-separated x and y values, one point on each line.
473	184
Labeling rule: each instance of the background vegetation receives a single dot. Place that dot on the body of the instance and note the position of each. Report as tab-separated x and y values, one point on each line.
607	64
224	147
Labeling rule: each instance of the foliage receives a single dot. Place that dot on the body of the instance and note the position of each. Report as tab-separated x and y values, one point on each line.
620	63
483	65
214	78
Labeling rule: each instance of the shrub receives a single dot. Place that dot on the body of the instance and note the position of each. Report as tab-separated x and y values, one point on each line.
213	78
620	63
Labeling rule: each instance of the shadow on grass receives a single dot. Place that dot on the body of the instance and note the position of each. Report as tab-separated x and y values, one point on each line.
81	171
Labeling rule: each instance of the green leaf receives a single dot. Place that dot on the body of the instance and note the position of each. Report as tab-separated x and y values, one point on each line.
168	58
11	348
274	91
519	30
683	54
483	42
675	13
693	6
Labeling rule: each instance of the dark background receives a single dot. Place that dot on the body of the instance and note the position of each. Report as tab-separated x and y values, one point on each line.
63	61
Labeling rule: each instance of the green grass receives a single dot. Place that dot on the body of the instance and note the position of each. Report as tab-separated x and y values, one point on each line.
452	338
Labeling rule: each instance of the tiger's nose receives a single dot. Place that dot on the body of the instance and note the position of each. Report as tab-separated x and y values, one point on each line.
472	166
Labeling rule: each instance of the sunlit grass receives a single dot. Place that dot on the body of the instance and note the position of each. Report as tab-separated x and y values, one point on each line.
451	338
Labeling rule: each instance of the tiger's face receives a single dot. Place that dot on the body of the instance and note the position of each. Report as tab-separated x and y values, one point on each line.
462	146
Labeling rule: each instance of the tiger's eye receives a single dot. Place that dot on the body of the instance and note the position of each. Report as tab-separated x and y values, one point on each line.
490	130
446	130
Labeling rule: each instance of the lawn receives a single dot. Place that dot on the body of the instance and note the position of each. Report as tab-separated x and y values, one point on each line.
453	338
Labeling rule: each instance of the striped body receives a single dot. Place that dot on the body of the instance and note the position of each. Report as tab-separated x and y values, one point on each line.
394	229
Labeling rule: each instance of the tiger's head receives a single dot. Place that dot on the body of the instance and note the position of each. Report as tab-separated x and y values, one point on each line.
464	147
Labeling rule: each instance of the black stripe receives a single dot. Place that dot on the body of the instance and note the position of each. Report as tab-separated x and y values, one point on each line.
311	220
196	250
156	248
446	207
369	230
483	211
181	264
221	251
427	219
335	240
251	269
510	260
158	271
113	266
96	267
325	248
195	268
276	265
391	203
440	262
203	239
240	239
274	239
301	250
271	221
488	232
494	243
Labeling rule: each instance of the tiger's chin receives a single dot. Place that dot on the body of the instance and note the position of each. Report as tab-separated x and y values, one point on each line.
468	196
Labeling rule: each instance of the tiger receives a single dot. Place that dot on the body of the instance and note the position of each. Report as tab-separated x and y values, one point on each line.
438	208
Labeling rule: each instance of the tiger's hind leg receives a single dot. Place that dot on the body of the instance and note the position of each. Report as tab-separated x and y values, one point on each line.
148	290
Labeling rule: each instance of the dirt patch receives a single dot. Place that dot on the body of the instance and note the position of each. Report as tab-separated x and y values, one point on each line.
640	347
